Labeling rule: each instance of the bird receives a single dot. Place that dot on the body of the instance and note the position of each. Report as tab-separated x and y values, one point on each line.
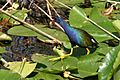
77	37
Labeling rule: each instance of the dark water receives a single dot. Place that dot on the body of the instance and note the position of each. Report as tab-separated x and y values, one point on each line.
26	46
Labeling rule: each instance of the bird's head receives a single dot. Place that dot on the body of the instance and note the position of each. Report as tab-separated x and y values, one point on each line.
58	20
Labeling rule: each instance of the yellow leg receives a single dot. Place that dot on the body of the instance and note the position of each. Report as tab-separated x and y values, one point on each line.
88	51
62	56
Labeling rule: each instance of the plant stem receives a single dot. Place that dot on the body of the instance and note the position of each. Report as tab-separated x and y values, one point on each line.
52	8
6	4
50	17
48	7
31	26
22	65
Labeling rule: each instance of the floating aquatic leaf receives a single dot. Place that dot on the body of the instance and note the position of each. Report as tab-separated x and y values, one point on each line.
109	64
23	69
9	75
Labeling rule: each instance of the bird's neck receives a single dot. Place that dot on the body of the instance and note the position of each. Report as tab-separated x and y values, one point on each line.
65	26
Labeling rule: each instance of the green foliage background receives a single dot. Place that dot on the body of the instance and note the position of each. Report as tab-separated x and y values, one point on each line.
103	62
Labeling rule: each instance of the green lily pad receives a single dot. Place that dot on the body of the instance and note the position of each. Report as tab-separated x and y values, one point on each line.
21	14
116	24
77	17
117	74
68	63
9	75
101	20
23	69
89	64
109	64
67	2
46	76
22	31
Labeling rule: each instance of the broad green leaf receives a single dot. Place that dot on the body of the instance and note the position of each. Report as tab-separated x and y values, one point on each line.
66	2
109	63
101	20
68	63
77	17
58	34
117	74
50	65
46	76
89	64
22	31
80	11
98	34
117	61
103	49
115	15
24	69
21	14
116	24
9	75
99	4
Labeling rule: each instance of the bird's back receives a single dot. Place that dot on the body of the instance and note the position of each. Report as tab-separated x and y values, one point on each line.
87	39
